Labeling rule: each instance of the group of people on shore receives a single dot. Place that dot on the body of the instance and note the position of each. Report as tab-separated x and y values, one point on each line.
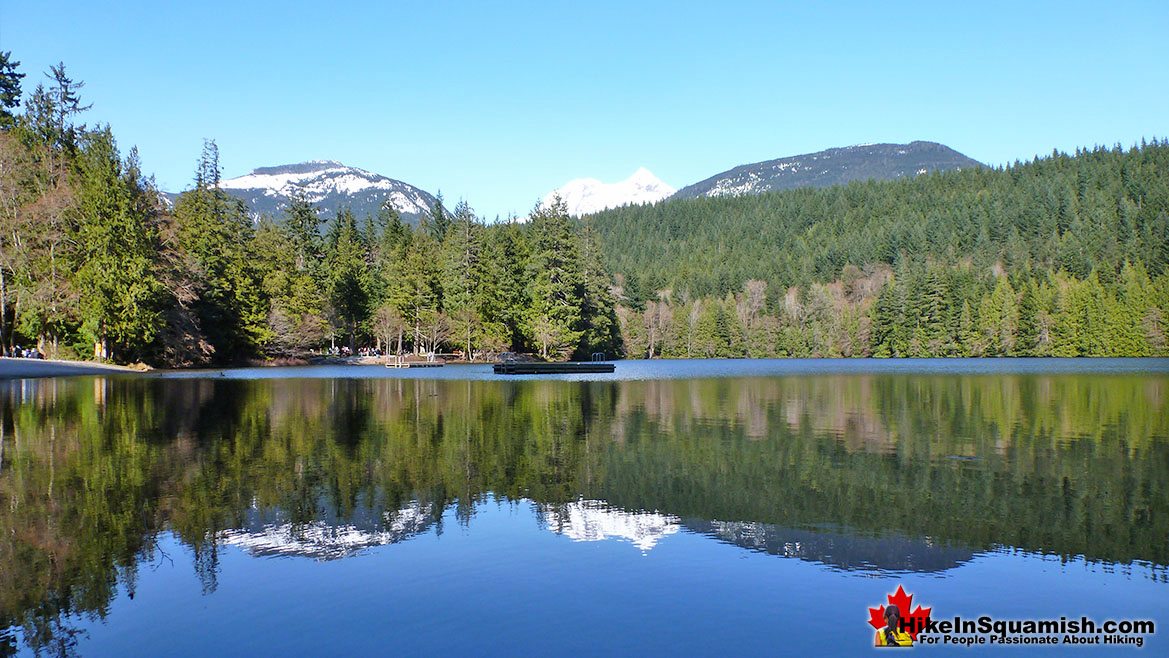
19	352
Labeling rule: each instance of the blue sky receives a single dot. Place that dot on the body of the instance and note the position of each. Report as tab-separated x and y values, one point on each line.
497	103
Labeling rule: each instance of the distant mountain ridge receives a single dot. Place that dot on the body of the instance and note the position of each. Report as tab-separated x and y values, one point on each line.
835	166
330	186
583	196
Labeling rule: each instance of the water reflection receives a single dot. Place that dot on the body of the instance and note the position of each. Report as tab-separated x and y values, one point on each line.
839	549
594	520
876	472
270	534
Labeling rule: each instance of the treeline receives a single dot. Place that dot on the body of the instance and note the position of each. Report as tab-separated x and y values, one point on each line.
914	310
1061	256
94	263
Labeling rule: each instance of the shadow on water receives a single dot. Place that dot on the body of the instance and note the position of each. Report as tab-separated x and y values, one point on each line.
860	472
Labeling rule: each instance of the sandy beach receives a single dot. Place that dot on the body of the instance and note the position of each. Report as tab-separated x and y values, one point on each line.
11	368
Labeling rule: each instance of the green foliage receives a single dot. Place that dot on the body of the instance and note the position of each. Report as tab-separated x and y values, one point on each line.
462	279
9	89
555	290
1062	256
1056	257
120	295
215	234
346	280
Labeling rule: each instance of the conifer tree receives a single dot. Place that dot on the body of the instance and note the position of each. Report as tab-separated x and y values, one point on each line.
120	296
9	90
462	277
437	222
347	282
598	319
553	318
215	233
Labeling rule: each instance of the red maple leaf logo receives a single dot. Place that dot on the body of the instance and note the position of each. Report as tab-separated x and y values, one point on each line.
911	622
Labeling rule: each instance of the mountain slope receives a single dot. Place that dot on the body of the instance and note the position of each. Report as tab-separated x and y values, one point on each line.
832	167
588	195
330	186
1095	209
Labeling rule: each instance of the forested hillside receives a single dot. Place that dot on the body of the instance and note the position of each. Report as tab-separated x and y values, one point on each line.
1065	255
94	265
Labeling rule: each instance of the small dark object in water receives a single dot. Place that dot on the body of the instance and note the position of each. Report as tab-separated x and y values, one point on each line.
519	368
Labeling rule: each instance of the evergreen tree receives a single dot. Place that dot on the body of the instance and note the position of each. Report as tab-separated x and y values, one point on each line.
215	234
9	90
999	319
296	304
601	332
462	277
415	292
120	295
437	222
347	283
554	292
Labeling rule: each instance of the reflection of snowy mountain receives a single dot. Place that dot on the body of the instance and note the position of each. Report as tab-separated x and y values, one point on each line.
594	520
271	534
837	548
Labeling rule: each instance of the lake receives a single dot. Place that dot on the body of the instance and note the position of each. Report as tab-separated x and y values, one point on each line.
673	507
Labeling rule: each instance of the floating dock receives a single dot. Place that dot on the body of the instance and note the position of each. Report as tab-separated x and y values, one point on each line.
400	362
570	367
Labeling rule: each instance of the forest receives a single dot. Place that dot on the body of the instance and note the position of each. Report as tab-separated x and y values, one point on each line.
1066	255
95	264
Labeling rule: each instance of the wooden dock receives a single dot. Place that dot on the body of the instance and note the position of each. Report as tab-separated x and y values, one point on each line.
570	367
403	362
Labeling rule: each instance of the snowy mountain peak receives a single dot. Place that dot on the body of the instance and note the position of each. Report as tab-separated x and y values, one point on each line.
329	185
836	166
589	195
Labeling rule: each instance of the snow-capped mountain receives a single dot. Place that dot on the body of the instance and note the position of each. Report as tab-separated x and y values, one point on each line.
832	167
589	195
329	185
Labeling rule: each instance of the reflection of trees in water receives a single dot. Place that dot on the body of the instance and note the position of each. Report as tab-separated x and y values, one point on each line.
91	470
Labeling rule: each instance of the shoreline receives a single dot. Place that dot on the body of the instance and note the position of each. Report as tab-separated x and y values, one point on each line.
21	368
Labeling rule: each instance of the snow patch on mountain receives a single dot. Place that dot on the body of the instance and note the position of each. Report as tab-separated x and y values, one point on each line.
328	184
836	166
589	195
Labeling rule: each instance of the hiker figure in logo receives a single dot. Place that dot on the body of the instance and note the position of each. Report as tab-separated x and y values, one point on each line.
892	635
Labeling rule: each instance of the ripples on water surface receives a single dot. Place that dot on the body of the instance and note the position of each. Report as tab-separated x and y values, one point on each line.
675	507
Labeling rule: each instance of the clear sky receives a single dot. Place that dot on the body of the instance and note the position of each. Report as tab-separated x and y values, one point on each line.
500	102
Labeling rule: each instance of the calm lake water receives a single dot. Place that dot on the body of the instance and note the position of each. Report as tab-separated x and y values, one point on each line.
685	507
